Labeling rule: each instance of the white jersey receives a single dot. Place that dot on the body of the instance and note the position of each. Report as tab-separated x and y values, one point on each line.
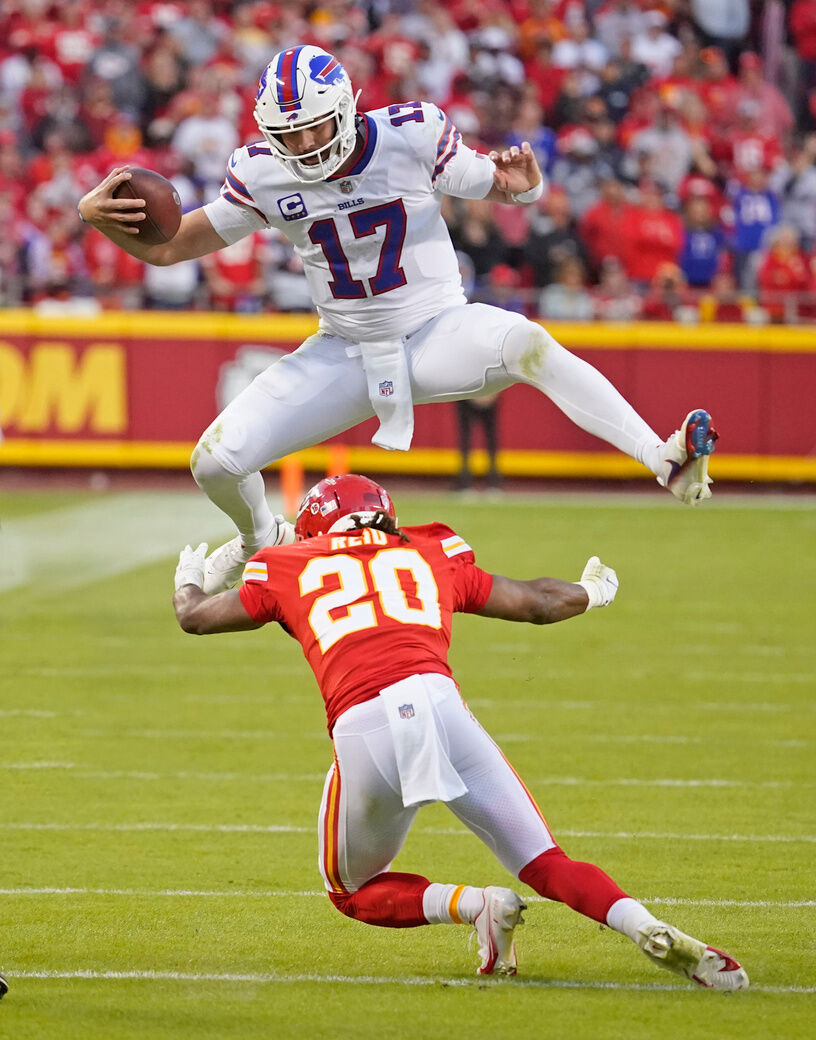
374	247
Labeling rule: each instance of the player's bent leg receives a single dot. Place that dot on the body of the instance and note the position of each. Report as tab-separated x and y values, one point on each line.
531	355
582	886
390	900
297	402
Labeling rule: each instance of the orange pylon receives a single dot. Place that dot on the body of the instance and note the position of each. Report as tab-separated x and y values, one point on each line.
292	486
338	460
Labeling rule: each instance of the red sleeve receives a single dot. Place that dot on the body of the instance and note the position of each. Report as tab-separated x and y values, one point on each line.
258	598
471	585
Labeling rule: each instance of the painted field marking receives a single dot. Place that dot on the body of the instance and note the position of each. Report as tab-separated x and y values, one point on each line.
75	546
370	980
250	778
259	828
189	893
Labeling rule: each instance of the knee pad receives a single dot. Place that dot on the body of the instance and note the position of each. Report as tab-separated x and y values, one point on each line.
205	467
529	351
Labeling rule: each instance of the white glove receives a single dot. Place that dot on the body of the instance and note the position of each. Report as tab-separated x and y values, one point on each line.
190	570
286	531
600	583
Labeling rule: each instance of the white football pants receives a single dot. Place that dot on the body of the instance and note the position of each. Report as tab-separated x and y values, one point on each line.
363	822
321	390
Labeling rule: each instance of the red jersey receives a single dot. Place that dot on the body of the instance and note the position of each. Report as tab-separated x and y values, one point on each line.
367	608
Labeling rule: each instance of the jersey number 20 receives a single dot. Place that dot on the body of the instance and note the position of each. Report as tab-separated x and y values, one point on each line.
386	574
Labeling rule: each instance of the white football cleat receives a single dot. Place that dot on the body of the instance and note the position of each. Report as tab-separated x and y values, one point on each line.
671	949
686	455
3	987
494	930
225	565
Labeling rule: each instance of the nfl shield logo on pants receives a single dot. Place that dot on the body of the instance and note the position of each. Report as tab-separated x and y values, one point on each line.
386	388
406	711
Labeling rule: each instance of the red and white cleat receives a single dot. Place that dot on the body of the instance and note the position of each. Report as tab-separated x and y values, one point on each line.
495	926
671	949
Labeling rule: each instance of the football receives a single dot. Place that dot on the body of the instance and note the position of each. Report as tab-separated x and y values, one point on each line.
162	204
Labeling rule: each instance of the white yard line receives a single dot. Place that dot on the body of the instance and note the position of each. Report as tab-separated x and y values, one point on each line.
68	548
262	828
250	778
368	980
189	893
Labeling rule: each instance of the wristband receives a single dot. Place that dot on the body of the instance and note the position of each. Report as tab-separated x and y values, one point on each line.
79	214
531	195
593	592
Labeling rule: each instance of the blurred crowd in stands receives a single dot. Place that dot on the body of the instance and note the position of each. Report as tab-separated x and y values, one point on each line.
679	139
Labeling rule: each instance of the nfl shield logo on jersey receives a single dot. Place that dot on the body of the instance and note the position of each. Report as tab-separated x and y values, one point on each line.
346	187
406	711
386	388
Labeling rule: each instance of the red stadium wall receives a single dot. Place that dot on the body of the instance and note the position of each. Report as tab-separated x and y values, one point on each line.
136	390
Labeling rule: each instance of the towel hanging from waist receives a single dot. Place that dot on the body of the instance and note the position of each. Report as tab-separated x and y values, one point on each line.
425	771
389	390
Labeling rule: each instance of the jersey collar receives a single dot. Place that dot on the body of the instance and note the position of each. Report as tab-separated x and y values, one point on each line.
369	131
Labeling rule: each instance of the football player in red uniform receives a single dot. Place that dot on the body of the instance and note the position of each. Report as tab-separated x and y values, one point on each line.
371	605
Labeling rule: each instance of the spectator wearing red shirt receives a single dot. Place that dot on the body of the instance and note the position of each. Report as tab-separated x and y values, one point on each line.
603	226
783	274
115	276
70	42
802	24
654	235
234	275
746	147
716	86
774	115
668	296
545	77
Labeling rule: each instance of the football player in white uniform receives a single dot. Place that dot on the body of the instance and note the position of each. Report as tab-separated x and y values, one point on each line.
359	197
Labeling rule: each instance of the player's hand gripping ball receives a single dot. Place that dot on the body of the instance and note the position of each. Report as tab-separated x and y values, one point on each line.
162	204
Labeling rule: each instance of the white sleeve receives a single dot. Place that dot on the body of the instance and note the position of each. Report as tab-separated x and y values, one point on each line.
235	214
232	220
459	170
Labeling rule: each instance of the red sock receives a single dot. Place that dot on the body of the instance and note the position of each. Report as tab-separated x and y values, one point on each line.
583	886
390	900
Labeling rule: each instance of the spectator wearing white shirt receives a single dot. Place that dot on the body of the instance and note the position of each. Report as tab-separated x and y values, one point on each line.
655	48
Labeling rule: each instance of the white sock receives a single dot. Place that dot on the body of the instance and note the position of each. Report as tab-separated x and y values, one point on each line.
581	392
627	916
452	904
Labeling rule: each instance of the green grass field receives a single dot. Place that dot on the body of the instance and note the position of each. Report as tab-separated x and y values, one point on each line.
159	791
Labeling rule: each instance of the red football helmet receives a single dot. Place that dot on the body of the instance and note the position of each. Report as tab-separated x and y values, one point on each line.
329	505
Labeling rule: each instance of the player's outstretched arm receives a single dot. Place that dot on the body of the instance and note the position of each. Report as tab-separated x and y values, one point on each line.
543	601
517	179
119	219
199	613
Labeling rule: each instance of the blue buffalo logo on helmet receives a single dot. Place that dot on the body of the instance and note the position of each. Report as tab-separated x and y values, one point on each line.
325	69
262	83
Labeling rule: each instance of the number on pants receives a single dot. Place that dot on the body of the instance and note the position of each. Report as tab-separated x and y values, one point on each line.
403	581
364	222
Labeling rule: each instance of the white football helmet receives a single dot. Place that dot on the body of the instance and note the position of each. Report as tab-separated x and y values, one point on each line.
301	88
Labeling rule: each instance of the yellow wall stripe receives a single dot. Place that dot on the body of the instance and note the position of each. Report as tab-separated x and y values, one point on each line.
293	328
431	461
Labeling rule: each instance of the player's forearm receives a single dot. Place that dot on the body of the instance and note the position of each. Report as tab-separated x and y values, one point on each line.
202	615
542	601
555	600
